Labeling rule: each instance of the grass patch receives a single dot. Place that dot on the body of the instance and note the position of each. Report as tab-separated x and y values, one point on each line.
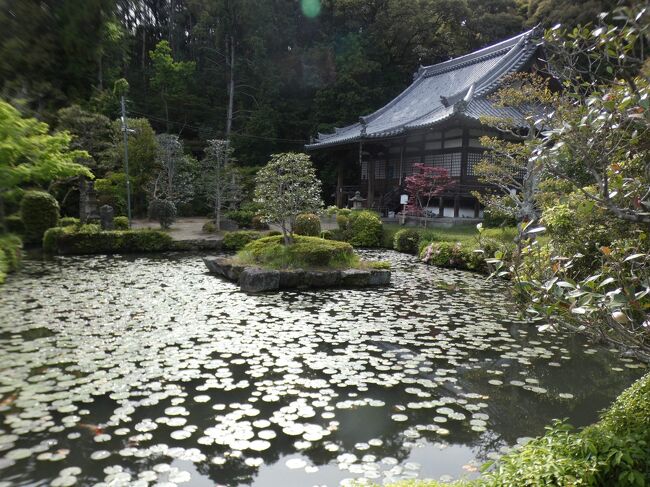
305	252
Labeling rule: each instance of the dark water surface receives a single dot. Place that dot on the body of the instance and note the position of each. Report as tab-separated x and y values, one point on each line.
136	371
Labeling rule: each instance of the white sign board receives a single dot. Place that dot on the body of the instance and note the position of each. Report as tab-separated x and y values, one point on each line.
404	199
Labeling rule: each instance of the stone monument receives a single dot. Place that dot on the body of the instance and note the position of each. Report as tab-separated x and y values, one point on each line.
87	201
106	217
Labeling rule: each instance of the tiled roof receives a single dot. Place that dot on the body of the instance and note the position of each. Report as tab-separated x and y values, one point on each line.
456	87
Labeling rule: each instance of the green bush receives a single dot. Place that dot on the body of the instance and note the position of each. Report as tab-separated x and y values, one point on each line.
163	211
121	223
10	253
344	212
243	218
14	224
305	252
273	232
238	240
67	221
209	227
12	199
365	229
307	224
89	239
342	221
454	255
327	235
493	219
407	240
39	211
111	191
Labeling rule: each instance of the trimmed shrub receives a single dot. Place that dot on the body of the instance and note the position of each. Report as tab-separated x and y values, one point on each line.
407	240
39	211
121	223
243	218
365	229
305	252
307	224
238	240
342	221
454	255
163	211
89	239
67	221
10	253
14	224
273	232
209	227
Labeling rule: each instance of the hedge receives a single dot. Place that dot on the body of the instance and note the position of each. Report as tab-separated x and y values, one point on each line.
10	254
87	239
39	211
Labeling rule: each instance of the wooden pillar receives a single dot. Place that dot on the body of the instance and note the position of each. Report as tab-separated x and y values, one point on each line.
371	183
477	209
339	184
456	205
441	207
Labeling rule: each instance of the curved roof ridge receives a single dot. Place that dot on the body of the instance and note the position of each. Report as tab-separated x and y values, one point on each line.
476	56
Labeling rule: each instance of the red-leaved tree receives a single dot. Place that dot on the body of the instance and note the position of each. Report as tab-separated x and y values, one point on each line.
426	183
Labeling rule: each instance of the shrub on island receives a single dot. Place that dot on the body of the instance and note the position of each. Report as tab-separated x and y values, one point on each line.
305	252
307	224
454	255
90	239
238	240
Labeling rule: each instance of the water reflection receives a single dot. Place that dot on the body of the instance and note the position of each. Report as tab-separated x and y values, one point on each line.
145	370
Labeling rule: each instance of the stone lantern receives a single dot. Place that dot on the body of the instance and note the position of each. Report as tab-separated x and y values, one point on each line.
357	201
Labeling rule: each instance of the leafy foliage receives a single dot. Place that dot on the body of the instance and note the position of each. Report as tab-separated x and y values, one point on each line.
90	239
39	211
423	185
238	240
10	255
174	174
121	223
307	224
365	229
163	211
407	240
304	252
286	187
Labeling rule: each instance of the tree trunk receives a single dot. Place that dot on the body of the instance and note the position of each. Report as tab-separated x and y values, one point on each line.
231	94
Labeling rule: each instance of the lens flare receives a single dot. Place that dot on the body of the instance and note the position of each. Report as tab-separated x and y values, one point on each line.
310	8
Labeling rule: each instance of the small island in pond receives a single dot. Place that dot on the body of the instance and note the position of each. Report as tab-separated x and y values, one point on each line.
268	264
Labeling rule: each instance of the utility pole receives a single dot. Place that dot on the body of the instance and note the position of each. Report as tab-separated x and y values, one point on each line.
125	130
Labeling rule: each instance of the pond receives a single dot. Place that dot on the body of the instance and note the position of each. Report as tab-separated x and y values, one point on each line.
146	370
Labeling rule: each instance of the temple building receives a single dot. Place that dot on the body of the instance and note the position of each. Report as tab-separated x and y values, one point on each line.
435	121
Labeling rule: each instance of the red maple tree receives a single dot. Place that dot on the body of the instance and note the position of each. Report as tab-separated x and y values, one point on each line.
426	183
